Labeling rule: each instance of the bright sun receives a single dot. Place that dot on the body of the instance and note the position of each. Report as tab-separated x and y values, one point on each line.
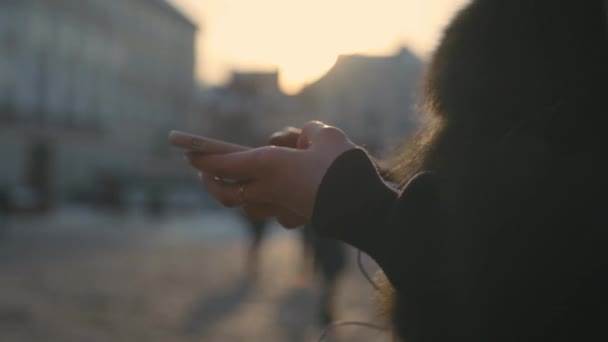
303	38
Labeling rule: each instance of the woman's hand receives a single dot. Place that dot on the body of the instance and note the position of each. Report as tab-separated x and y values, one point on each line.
275	181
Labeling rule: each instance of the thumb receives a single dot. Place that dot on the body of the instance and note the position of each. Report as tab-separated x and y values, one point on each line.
309	131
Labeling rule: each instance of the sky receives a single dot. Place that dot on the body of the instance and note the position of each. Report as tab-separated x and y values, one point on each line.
302	38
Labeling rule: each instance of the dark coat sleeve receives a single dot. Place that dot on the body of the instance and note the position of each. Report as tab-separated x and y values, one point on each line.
355	205
405	232
505	258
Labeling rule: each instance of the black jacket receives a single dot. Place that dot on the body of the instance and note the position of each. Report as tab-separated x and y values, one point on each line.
507	262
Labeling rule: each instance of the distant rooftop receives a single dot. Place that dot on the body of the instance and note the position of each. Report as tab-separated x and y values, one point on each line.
169	7
359	66
403	53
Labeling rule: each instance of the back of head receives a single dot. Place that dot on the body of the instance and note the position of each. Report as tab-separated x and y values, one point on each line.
517	115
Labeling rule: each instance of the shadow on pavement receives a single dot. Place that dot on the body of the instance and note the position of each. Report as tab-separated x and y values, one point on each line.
214	307
296	313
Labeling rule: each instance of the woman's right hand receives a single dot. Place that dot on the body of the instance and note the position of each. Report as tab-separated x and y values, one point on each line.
288	137
273	180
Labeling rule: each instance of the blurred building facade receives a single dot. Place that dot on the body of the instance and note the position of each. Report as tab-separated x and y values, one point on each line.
372	98
248	108
88	91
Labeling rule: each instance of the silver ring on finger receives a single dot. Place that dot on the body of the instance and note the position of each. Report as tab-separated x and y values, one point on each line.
241	194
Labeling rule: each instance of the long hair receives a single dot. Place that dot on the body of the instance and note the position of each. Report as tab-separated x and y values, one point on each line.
516	114
506	65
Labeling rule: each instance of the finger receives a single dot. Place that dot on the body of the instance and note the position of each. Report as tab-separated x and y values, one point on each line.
226	194
291	221
260	211
308	132
286	138
237	194
319	135
237	166
263	211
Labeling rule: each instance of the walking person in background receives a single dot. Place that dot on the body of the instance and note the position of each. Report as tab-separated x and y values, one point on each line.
4	211
329	262
499	233
256	229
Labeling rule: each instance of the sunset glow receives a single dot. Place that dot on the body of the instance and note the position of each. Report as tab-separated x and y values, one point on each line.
302	39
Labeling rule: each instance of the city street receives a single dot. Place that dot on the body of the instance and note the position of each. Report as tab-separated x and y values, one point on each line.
77	275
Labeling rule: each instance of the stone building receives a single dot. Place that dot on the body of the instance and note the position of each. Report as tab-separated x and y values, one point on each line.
372	98
88	91
248	108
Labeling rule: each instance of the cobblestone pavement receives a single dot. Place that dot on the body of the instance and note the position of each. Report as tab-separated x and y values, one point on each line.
82	278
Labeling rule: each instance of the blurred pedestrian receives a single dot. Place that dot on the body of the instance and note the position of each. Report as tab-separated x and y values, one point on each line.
4	210
256	229
329	261
155	206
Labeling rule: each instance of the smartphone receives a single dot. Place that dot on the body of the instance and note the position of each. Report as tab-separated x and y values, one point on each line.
202	144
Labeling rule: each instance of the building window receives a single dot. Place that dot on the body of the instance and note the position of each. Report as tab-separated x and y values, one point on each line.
41	84
9	41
